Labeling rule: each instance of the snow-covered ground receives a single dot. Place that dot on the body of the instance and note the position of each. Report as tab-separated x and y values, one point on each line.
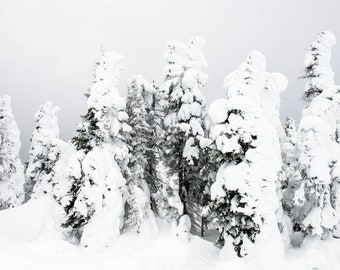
30	239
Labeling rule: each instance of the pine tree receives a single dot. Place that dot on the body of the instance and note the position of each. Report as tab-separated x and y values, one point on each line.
95	205
319	159
164	199
185	125
319	151
155	118
267	89
275	84
291	175
140	143
88	132
318	70
246	148
11	169
45	152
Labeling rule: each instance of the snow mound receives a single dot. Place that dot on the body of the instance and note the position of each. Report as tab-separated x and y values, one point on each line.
34	220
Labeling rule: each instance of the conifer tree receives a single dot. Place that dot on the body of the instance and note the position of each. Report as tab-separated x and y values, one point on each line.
11	169
246	148
185	124
318	150
164	189
140	143
267	89
154	146
95	205
318	70
291	175
45	152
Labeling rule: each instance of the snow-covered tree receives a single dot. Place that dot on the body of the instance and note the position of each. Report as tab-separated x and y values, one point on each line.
44	153
164	189
318	70
185	125
291	175
154	148
244	200
319	159
275	84
268	87
95	205
141	153
11	169
319	151
232	209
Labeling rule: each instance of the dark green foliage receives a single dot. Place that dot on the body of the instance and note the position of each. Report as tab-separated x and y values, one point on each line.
234	223
231	214
139	141
154	145
76	220
88	133
176	164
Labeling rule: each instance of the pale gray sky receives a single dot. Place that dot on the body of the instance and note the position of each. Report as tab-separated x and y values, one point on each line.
47	48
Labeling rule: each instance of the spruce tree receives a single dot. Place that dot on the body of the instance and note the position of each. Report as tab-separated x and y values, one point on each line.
185	125
318	71
45	152
154	146
97	194
318	149
141	152
246	148
319	159
164	189
267	89
11	169
291	175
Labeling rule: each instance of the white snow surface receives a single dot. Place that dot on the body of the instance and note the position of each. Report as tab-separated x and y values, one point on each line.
31	239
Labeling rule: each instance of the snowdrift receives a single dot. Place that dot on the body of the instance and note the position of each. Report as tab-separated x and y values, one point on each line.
31	239
34	220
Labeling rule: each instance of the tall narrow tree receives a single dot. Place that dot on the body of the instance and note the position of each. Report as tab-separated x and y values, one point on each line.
11	169
185	123
140	142
45	151
95	209
243	197
318	71
319	151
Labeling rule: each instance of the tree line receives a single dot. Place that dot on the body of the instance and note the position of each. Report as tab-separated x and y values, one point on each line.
160	152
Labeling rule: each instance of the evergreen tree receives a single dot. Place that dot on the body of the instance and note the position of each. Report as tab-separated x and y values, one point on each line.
95	205
319	151
46	150
185	124
88	132
291	175
319	159
11	169
154	146
164	189
246	147
318	70
275	84
267	89
140	143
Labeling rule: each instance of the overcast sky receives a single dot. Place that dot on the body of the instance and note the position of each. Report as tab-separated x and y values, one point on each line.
48	48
